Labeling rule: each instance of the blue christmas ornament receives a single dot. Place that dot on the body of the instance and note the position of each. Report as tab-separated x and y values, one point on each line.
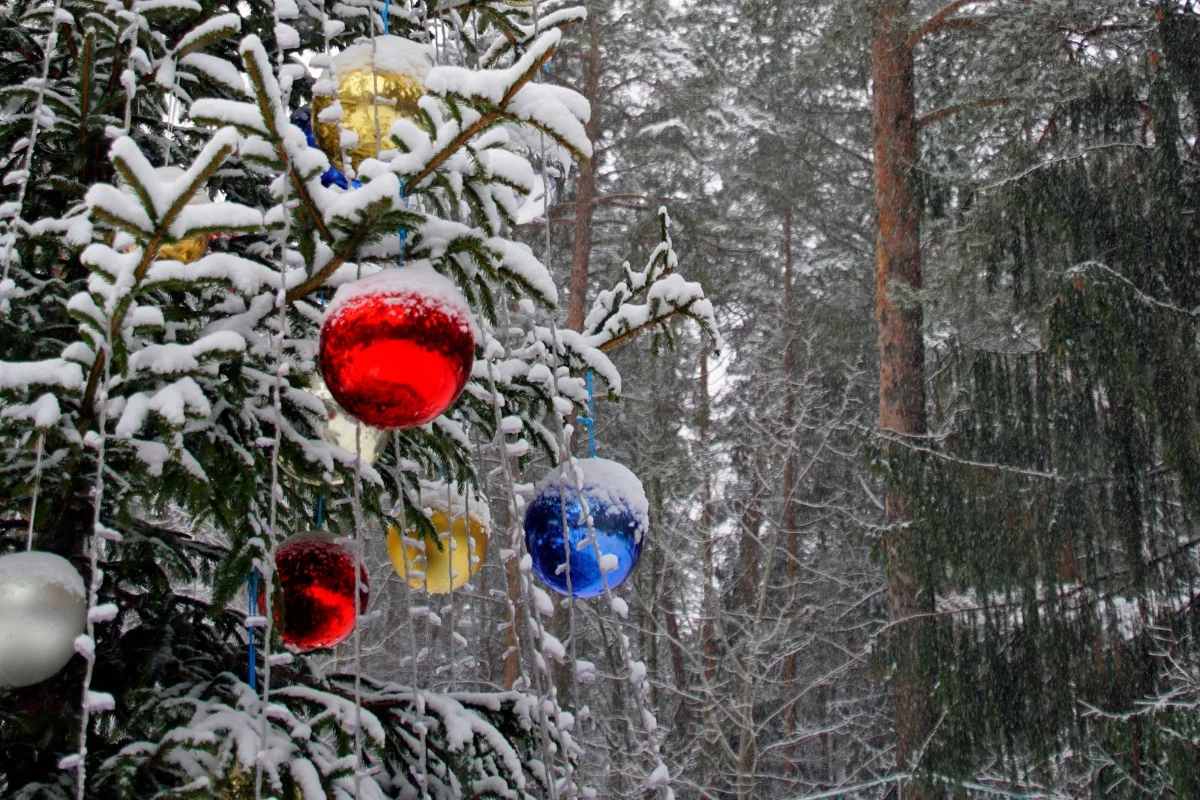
620	519
302	119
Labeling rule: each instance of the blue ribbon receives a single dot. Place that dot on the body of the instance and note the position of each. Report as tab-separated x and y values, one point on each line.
251	637
590	419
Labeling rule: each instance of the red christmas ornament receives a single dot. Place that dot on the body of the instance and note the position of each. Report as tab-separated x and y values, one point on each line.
316	574
397	347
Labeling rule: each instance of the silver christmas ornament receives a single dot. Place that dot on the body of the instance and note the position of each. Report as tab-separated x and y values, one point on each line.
43	607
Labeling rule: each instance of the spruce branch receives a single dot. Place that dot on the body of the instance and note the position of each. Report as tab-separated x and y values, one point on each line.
491	115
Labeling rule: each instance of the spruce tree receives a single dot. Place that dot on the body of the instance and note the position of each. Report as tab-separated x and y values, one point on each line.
161	411
1055	492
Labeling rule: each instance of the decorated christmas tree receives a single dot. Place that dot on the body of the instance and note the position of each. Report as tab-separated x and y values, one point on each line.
264	303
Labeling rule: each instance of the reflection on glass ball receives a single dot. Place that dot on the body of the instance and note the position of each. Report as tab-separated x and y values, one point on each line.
464	541
43	607
316	577
619	510
395	73
397	347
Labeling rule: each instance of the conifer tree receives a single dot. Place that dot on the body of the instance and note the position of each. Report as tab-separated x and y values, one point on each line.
1052	492
159	427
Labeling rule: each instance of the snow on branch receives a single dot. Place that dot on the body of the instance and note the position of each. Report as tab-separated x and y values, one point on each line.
647	300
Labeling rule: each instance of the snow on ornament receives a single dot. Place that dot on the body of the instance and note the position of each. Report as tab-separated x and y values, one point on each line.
342	430
462	529
620	519
390	67
315	607
43	608
397	347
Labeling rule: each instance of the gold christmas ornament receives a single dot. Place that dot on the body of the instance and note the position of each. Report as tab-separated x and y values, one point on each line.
192	248
462	529
392	69
188	250
238	784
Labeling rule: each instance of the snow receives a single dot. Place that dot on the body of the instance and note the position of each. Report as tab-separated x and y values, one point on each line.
518	260
99	701
244	116
608	482
352	207
659	778
217	70
541	599
219	27
392	54
553	648
244	275
490	85
44	568
165	359
450	499
620	608
43	412
556	108
85	646
106	612
171	402
414	280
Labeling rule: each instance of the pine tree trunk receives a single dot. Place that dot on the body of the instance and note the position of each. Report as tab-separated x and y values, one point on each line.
581	250
901	355
748	554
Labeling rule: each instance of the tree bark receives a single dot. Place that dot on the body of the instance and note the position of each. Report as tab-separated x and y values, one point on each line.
748	554
581	252
901	357
581	249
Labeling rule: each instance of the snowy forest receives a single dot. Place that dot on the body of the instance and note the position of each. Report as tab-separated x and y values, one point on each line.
552	399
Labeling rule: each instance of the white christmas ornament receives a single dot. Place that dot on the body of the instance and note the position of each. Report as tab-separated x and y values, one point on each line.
43	607
341	429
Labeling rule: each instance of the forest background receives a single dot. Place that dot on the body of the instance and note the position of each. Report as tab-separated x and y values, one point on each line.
931	508
925	521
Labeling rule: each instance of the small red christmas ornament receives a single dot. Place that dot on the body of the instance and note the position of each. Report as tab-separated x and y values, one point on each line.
397	347
316	574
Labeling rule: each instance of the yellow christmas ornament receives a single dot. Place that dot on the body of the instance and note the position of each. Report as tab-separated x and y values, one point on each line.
462	529
192	248
392	69
186	250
